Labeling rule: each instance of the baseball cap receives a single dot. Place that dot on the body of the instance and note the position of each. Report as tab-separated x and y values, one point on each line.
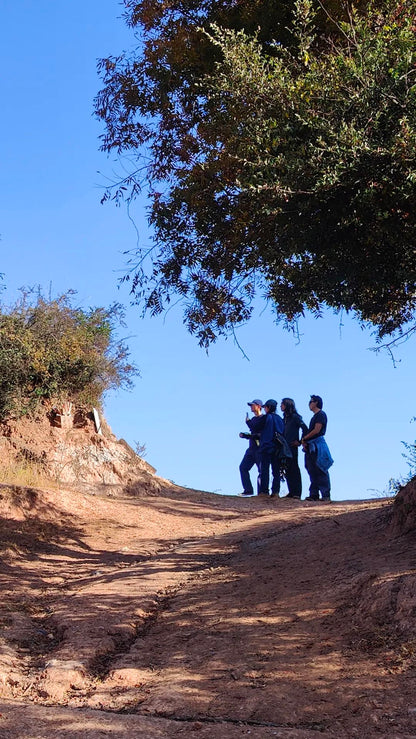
256	401
270	403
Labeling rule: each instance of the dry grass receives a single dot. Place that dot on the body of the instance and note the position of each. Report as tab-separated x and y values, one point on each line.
26	474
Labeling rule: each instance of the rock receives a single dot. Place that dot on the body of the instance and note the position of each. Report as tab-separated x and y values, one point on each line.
128	676
61	676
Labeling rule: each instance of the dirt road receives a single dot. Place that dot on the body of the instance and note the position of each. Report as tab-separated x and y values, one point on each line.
191	614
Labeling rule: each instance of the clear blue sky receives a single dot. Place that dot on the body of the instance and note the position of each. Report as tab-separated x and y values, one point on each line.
187	407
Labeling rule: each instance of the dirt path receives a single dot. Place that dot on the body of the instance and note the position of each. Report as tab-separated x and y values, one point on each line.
194	614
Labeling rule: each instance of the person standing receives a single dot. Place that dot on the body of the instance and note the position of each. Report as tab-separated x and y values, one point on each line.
293	424
271	423
252	455
318	459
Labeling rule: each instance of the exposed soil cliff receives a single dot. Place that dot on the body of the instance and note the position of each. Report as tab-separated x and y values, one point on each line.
65	445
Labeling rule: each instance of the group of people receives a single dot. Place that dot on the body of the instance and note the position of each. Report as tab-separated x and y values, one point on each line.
274	443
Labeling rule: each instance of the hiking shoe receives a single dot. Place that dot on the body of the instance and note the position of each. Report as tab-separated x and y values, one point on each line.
246	495
292	497
266	494
309	498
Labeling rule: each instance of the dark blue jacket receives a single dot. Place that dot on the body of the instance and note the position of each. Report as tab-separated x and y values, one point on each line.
255	425
319	447
272	423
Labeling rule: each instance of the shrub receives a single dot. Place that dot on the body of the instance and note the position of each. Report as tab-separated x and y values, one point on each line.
395	484
50	349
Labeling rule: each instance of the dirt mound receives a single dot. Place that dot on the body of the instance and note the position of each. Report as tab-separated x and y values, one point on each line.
404	510
381	605
381	611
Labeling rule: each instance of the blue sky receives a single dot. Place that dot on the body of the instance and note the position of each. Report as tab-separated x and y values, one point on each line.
187	407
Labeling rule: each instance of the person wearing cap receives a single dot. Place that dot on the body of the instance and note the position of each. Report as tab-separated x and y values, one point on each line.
252	455
272	422
318	459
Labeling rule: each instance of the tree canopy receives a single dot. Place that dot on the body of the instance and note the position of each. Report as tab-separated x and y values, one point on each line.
278	142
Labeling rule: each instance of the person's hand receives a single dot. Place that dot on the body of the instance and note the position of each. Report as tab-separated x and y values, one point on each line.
295	443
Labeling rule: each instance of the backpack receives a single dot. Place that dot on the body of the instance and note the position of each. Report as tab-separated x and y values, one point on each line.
282	451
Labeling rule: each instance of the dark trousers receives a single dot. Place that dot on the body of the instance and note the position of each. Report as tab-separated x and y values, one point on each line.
292	474
250	458
267	460
320	481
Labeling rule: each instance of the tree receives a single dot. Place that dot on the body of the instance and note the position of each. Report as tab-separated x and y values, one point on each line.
50	349
285	168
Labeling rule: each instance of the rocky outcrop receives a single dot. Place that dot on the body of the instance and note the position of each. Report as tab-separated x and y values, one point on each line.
75	446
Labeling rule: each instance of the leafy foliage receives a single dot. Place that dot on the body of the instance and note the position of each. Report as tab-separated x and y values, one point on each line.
284	168
411	459
395	484
50	349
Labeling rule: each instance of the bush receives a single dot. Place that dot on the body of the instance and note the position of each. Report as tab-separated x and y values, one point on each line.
52	350
395	484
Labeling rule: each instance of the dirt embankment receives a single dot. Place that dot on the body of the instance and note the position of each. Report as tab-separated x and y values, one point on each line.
181	613
65	444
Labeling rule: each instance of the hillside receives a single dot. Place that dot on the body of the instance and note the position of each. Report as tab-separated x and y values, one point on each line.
155	611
